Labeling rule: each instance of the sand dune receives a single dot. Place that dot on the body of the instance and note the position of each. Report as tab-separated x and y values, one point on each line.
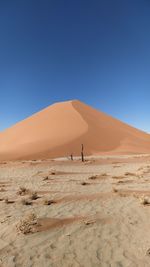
60	129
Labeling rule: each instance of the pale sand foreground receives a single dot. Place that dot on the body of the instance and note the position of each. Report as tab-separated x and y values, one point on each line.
101	223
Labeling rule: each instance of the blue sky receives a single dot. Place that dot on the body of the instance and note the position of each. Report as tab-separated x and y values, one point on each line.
96	51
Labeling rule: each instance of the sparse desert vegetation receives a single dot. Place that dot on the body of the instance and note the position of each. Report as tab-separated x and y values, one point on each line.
23	191
91	203
26	201
34	195
84	183
93	177
26	225
115	190
48	202
145	200
45	178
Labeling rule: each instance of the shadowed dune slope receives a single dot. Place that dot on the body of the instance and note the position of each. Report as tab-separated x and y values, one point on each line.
60	129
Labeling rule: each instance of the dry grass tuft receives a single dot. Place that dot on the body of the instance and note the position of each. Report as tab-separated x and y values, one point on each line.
27	225
48	202
116	166
104	174
121	182
115	190
2	189
45	178
88	222
23	191
26	202
8	201
148	252
144	200
33	195
130	174
117	177
123	194
53	173
84	183
93	177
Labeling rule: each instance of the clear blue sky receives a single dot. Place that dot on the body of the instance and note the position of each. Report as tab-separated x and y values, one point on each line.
96	51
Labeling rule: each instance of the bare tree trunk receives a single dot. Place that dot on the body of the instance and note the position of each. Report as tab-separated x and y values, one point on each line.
82	154
71	156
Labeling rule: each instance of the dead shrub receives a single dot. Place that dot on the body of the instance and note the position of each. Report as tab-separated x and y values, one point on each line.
26	202
27	224
144	200
45	178
104	174
93	177
115	190
117	177
48	202
23	191
53	172
84	183
8	201
130	174
2	189
33	195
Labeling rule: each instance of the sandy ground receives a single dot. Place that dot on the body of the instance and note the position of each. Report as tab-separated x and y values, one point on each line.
96	217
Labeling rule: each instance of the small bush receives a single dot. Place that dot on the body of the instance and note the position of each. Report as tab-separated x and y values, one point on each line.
104	174
130	174
23	191
2	189
6	200
93	177
53	173
26	225
145	200
45	178
84	183
115	190
33	196
117	177
48	202
26	202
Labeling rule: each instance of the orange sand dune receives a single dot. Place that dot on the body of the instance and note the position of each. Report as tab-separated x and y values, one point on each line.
60	129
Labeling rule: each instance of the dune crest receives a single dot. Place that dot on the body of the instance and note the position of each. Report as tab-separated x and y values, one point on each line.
61	128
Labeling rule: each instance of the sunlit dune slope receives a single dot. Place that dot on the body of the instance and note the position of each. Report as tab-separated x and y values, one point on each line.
60	129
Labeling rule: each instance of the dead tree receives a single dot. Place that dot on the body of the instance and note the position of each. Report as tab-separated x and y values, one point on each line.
82	153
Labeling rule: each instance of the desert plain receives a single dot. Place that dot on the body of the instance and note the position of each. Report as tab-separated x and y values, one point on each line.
63	213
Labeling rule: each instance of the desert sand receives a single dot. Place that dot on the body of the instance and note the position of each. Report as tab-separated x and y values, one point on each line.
60	129
87	214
